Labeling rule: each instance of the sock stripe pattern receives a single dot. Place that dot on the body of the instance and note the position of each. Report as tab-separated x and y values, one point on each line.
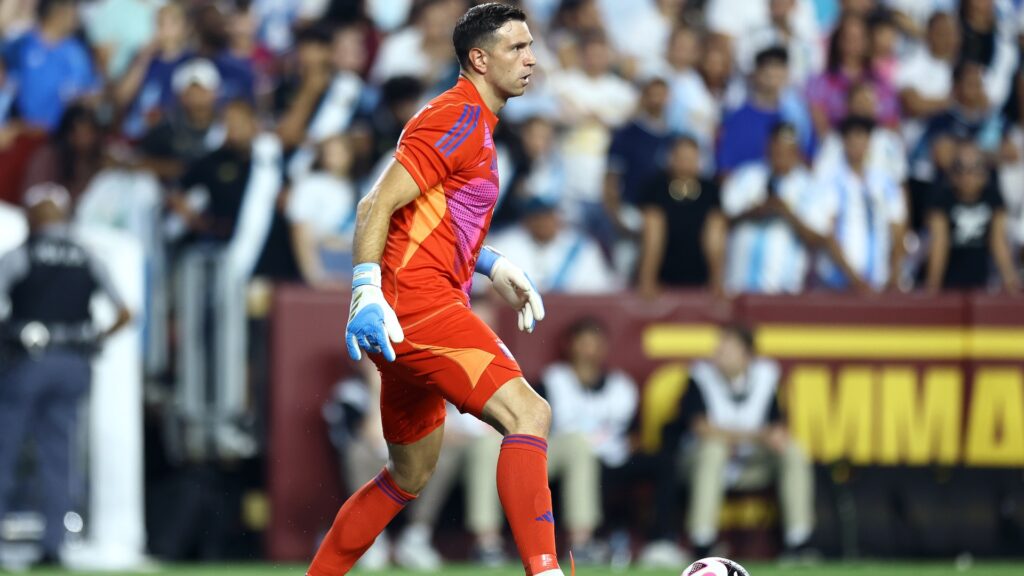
526	440
390	490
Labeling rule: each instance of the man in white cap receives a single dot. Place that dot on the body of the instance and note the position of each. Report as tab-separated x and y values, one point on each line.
187	133
46	342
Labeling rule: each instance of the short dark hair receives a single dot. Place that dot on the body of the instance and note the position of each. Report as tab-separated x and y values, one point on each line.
478	25
743	333
46	7
772	55
314	34
856	124
783	129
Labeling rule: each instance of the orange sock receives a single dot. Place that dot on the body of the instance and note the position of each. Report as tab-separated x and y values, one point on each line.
362	517
526	498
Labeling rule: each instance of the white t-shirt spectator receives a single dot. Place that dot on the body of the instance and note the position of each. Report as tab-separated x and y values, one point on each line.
886	153
766	256
927	75
601	414
737	18
571	262
636	28
693	110
324	202
865	208
608	101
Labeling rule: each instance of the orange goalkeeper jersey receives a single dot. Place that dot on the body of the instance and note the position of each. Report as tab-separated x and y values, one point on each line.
433	241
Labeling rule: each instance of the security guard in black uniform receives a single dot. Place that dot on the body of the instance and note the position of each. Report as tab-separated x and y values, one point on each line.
47	341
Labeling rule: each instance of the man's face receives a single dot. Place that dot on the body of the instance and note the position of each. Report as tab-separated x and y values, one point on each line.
783	152
771	77
589	347
970	90
970	174
543	226
684	50
684	160
597	58
944	35
538	136
240	127
855	143
654	98
510	59
197	100
731	356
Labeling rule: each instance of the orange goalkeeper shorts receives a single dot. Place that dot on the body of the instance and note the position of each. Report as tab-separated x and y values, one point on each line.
449	355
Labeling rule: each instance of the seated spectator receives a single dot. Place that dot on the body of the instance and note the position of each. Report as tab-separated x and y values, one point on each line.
848	63
50	65
423	48
318	102
558	258
802	44
190	131
594	102
731	411
696	100
536	170
967	223
970	116
322	212
74	155
885	38
213	38
886	151
355	428
592	406
637	151
988	29
870	214
925	77
743	135
778	220
146	93
683	240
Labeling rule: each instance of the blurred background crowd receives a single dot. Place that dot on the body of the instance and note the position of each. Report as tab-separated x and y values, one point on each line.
737	146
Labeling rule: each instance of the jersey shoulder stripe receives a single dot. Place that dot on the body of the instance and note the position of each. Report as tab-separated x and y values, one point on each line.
444	140
471	126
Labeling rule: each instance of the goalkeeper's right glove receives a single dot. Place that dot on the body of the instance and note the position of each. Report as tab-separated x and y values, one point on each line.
372	324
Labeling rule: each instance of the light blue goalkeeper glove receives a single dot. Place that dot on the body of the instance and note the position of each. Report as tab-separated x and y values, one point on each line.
372	324
513	285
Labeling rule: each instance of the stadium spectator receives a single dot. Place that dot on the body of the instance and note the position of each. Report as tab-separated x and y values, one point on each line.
190	130
886	151
925	77
739	439
558	258
422	49
594	102
988	30
802	45
743	135
50	65
74	155
319	103
45	345
848	63
537	171
967	223
118	29
145	92
869	210
592	406
778	221
885	39
374	133
738	19
637	151
697	100
322	213
969	116
213	42
683	241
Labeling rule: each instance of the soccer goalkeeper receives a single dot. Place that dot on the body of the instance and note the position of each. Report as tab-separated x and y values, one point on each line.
418	240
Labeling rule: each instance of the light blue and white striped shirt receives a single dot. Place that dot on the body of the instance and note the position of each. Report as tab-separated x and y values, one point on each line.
865	209
766	256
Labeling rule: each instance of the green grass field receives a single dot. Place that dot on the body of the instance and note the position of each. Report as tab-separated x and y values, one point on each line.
756	569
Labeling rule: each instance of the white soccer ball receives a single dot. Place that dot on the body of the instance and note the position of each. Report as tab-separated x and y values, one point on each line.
715	567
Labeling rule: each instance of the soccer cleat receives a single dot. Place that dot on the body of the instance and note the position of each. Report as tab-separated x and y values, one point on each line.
662	554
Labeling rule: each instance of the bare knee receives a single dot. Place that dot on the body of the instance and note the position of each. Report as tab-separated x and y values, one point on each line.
411	476
517	409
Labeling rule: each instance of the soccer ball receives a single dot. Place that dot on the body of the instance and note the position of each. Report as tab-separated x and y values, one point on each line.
715	567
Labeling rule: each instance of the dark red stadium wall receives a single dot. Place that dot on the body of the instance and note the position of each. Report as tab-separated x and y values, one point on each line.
870	376
307	358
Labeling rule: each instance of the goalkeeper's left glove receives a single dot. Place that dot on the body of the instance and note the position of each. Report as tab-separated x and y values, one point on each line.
513	285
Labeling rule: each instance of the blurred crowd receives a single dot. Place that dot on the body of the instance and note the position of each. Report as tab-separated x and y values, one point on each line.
768	146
